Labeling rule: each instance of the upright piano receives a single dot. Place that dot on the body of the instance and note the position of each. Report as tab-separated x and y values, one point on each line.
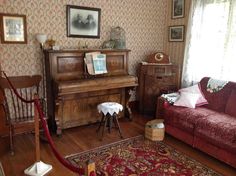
73	94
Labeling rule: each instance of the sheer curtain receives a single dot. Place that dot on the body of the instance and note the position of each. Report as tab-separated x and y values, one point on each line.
210	48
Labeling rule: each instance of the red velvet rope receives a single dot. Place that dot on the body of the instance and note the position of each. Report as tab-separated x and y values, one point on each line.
15	91
56	153
62	160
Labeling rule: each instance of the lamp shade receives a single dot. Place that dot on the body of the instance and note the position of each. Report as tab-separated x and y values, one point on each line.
41	38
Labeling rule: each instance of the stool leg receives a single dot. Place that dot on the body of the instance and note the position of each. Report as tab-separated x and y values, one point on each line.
104	126
110	123
100	124
114	121
117	122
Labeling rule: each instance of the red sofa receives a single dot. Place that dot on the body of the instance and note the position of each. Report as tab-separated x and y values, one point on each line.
210	128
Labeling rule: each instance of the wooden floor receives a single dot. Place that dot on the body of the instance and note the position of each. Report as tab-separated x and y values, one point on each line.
83	138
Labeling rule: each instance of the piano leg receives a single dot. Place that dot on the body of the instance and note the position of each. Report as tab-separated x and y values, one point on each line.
58	112
128	112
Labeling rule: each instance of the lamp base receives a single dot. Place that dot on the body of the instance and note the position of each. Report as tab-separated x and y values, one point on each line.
38	169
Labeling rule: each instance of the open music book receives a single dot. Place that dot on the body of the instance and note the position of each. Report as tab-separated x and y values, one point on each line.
96	63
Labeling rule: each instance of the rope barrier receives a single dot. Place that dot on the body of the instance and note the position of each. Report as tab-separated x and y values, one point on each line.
15	91
61	159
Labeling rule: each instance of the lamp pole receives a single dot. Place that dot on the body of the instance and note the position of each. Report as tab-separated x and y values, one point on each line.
41	38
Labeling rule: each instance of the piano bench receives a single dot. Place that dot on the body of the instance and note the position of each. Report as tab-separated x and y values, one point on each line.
110	111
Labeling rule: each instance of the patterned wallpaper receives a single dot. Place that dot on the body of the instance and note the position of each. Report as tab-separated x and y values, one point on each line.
176	49
143	21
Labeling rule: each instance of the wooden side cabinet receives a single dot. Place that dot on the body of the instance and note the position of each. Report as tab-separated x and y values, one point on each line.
155	80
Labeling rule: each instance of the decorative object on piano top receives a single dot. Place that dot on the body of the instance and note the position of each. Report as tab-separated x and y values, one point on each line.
51	43
108	44
84	46
117	39
118	35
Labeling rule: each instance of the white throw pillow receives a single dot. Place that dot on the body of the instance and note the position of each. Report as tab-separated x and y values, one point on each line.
187	99
196	90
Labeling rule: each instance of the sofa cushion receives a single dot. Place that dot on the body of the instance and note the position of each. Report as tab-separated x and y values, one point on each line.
230	106
217	100
218	129
185	118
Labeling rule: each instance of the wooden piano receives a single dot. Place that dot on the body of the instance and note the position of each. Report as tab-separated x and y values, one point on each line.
73	94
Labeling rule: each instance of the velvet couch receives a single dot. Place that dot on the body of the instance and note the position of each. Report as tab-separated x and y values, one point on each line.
210	128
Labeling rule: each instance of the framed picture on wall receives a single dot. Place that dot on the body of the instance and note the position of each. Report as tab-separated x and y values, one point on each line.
176	33
178	8
83	22
13	28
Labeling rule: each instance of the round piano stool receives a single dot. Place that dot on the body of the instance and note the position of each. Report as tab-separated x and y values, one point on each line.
110	111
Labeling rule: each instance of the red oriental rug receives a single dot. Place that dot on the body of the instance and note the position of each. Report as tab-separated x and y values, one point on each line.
138	156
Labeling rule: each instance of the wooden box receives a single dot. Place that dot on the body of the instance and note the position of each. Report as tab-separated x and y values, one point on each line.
152	132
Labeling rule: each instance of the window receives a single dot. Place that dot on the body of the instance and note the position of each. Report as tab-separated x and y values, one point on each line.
211	43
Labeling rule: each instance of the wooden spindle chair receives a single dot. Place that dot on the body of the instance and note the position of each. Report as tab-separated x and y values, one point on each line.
20	115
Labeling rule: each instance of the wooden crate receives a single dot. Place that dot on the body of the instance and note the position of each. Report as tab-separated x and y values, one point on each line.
153	133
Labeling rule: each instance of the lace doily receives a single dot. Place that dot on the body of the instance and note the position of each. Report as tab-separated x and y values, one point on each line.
215	85
109	107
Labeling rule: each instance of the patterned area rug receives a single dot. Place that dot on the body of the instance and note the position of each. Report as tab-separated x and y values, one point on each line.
1	170
140	157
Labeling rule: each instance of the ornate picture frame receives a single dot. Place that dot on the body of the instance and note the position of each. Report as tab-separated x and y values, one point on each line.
13	29
176	33
178	8
83	22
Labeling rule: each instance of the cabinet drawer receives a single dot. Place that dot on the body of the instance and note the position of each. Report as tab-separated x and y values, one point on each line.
159	70
163	80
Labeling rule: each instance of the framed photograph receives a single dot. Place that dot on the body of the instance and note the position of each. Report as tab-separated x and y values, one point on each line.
83	22
13	28
176	33
178	8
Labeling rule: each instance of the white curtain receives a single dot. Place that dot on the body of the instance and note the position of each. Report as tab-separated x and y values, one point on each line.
210	41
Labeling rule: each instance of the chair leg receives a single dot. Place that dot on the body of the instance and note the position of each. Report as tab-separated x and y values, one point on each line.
11	134
100	124
117	123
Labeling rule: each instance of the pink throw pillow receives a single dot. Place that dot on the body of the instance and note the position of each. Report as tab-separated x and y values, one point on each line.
187	99
196	90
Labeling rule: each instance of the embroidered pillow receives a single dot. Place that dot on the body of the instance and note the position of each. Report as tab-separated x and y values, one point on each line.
196	90
187	99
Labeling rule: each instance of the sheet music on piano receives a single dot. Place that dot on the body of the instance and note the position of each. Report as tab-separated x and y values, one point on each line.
95	63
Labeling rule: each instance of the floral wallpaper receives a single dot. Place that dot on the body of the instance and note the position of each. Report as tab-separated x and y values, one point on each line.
143	21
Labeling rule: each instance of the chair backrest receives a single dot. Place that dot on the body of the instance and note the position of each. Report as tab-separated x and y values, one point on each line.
15	109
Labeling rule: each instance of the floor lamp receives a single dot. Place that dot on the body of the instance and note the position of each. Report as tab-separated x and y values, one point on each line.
39	168
41	38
